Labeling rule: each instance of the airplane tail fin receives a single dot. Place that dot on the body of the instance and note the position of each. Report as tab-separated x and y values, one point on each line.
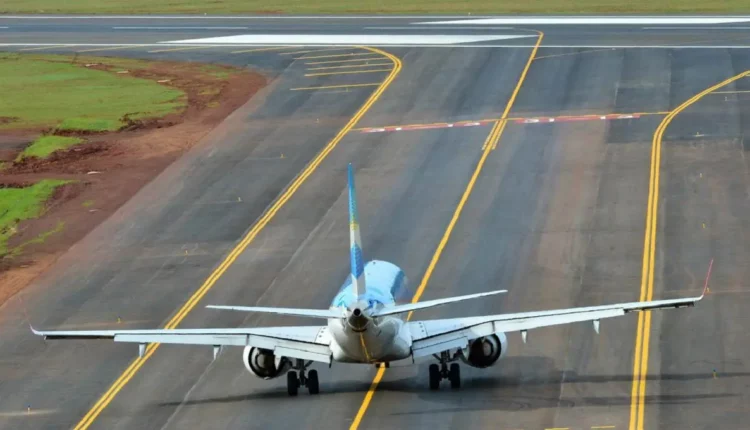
355	241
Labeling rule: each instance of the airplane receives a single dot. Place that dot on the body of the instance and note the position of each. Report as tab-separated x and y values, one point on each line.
365	324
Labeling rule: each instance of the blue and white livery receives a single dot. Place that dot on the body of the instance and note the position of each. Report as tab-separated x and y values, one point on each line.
366	324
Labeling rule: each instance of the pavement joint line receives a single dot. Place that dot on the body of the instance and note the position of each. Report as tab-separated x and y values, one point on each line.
643	331
730	92
248	238
491	140
602	427
270	48
351	66
334	86
348	72
575	53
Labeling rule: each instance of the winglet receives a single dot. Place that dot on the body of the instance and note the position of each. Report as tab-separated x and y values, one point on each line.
38	333
708	275
355	241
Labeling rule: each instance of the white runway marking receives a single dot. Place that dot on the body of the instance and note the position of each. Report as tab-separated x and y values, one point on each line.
180	28
519	46
598	20
350	39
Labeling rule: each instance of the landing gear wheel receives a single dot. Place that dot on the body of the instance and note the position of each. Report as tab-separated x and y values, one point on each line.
455	376
292	383
434	377
312	382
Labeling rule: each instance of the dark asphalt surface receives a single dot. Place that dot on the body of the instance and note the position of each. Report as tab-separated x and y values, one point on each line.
556	217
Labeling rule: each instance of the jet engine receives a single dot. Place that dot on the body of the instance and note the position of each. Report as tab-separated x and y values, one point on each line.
264	364
485	351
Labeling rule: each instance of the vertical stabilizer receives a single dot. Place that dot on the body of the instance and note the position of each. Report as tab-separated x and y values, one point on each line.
355	241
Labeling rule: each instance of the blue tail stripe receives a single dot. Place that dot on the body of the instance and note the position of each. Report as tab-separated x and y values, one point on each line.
357	265
352	200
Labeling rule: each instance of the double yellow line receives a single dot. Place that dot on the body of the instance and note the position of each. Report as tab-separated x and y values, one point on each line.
128	374
643	333
489	144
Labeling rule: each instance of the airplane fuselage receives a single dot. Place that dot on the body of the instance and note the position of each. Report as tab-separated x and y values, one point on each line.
382	339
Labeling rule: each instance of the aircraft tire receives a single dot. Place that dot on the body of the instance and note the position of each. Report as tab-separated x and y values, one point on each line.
292	383
455	376
434	377
312	382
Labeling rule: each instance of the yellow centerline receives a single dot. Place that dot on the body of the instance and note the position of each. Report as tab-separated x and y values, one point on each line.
490	142
643	333
123	379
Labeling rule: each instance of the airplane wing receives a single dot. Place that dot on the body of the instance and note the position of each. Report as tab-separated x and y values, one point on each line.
306	342
434	336
399	309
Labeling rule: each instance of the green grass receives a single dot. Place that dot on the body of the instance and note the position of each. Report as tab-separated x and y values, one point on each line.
46	145
51	91
87	203
19	204
371	7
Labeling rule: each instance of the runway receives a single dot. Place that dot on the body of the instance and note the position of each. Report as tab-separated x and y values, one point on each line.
562	213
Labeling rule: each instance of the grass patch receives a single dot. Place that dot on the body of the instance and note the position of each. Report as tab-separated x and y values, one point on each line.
87	203
19	204
46	145
52	91
369	7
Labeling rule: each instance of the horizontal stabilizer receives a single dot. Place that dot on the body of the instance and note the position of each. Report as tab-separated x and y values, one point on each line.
310	313
399	309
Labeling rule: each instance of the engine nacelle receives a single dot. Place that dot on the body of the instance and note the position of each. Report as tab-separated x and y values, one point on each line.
485	351
264	364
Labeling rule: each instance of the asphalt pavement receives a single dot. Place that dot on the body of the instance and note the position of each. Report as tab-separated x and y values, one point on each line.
557	216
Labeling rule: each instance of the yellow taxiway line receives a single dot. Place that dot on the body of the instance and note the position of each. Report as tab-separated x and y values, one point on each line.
491	141
643	332
133	368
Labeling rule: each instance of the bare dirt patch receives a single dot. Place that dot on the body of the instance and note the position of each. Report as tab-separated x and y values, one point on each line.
111	167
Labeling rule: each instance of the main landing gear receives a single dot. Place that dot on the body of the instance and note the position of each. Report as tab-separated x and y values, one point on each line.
293	382
438	373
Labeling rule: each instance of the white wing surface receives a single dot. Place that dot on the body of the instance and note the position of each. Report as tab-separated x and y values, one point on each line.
306	342
434	336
